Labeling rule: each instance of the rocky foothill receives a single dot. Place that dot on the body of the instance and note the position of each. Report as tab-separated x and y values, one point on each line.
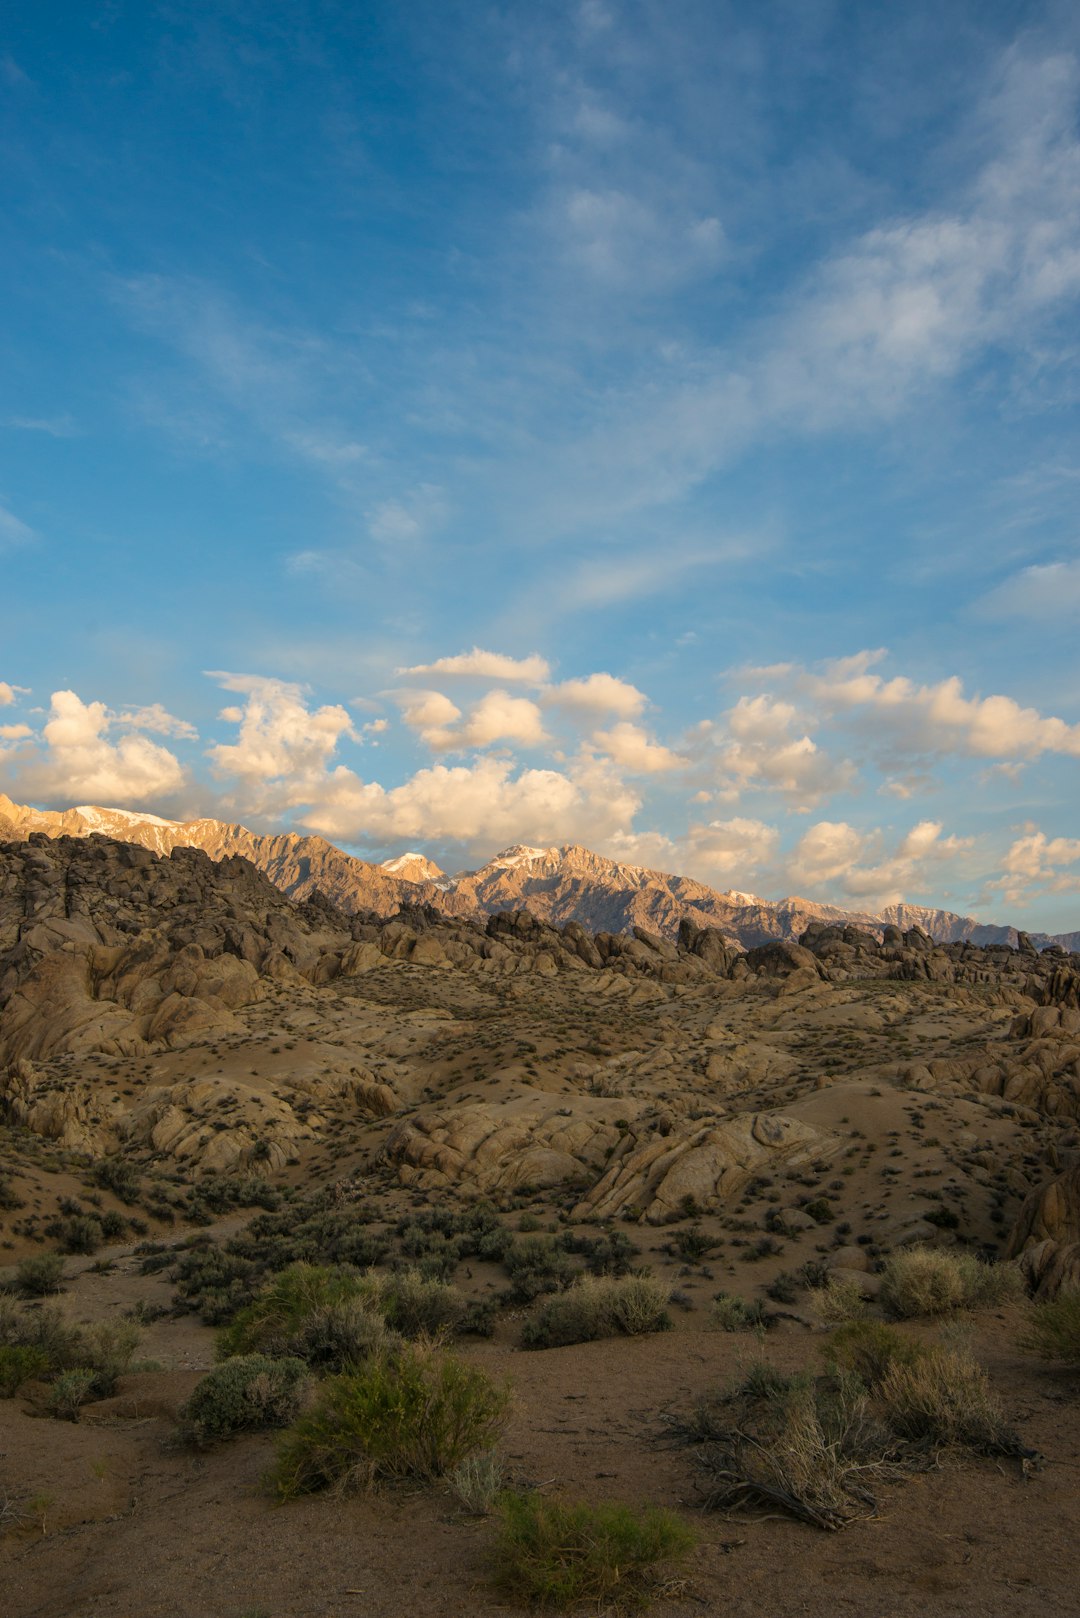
183	1008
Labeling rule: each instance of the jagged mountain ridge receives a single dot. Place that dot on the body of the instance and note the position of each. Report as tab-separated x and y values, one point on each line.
558	884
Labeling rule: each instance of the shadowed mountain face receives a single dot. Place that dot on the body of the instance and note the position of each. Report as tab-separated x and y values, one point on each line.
558	885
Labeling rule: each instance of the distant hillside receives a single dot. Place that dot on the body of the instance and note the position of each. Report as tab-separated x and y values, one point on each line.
558	884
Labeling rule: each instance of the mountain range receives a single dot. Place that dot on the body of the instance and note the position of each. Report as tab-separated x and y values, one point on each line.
558	884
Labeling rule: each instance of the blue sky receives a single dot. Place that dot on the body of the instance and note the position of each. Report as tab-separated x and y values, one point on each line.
646	425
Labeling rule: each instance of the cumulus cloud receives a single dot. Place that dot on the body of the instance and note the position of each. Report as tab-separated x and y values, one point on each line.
281	740
533	670
835	856
598	693
7	694
917	719
155	718
1034	864
633	748
498	716
762	753
73	759
14	733
739	848
480	806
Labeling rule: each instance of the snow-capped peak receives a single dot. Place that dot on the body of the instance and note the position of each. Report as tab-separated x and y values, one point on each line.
519	854
97	819
412	867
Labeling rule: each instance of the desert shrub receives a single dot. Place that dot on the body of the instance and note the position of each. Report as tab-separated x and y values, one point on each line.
214	1283
933	1281
70	1392
1052	1329
537	1266
244	1395
838	1300
18	1364
78	1233
730	1313
107	1348
692	1246
44	1328
559	1553
449	1235
943	1399
820	1210
416	1413
117	1175
478	1481
39	1275
418	1306
9	1197
479	1318
810	1447
610	1254
628	1306
869	1349
280	1321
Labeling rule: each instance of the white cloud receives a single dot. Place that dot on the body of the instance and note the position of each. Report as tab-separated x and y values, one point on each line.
920	719
633	748
14	733
1041	593
7	694
432	715
74	760
598	693
155	718
736	848
762	754
533	670
498	716
283	746
1033	865
833	855
480	806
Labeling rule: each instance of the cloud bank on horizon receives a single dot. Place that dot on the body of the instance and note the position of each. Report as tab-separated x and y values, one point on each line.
561	766
541	408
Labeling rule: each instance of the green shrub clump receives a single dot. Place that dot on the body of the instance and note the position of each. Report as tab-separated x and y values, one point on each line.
18	1364
628	1306
309	1312
414	1413
42	1338
40	1275
244	1395
537	1266
559	1553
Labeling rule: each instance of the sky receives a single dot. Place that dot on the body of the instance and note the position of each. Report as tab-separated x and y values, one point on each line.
650	424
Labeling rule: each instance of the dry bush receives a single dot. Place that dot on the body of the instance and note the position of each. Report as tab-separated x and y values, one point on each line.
1052	1329
731	1313
558	1553
628	1305
477	1482
838	1300
869	1349
943	1400
935	1281
811	1448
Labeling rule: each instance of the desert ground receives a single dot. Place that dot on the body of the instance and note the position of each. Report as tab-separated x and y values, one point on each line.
202	1083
